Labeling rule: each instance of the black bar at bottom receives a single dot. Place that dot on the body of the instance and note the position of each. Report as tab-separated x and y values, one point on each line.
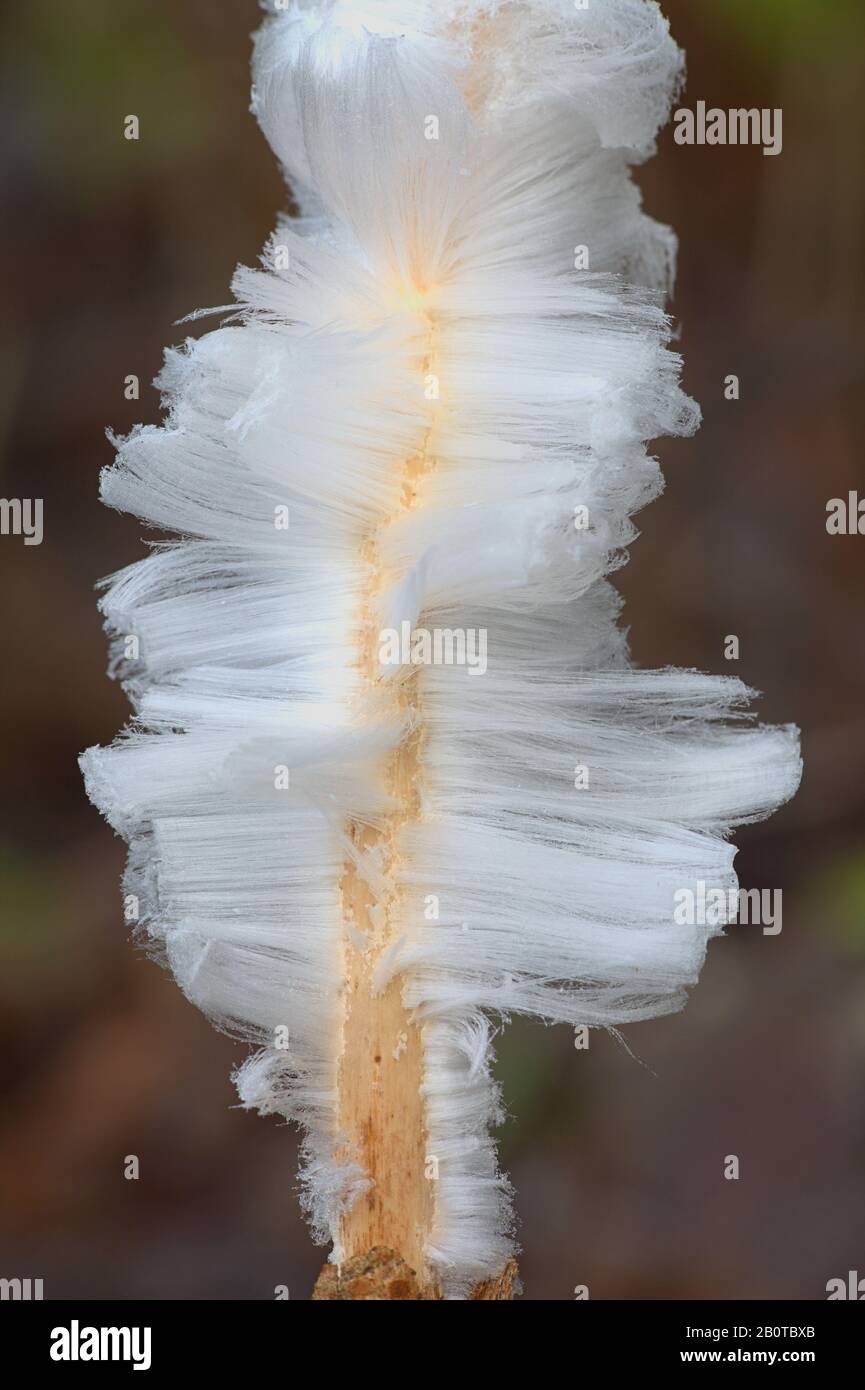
264	1339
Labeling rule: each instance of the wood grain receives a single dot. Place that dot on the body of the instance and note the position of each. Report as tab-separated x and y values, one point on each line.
381	1276
381	1067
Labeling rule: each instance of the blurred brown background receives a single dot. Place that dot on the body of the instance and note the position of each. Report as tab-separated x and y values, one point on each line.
618	1165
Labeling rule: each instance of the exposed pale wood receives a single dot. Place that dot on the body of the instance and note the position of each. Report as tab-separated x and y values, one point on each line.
381	1064
377	1275
381	1072
380	1276
381	1108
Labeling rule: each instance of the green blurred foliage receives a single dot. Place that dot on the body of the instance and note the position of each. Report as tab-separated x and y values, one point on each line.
82	66
841	891
540	1080
774	24
33	918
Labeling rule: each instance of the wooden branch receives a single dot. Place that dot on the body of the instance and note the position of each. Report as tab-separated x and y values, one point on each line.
382	1276
384	1236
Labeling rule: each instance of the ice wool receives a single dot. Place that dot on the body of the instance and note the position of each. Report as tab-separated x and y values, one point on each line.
424	426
